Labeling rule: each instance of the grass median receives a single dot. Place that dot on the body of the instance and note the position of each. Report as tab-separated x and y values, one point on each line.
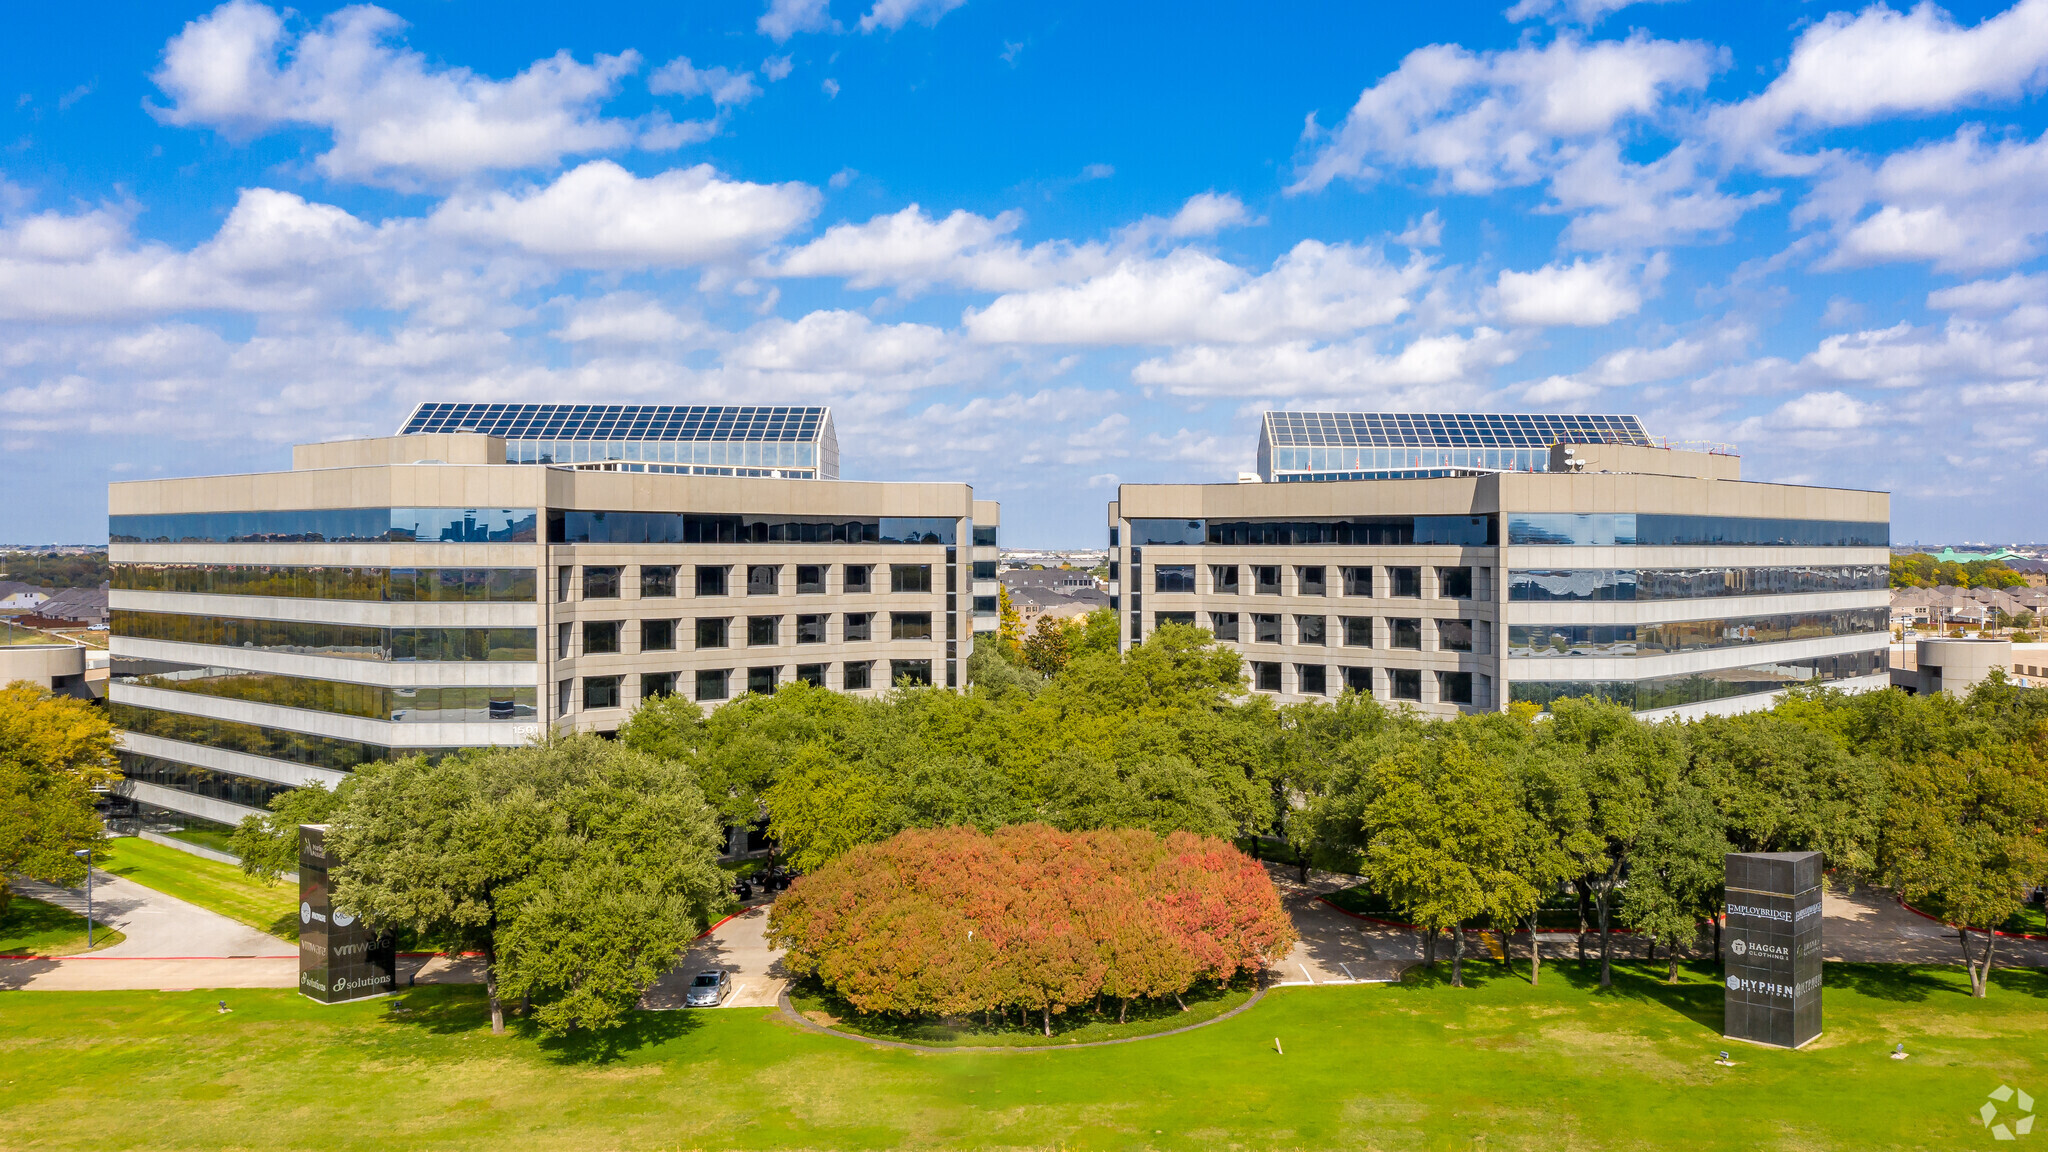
34	928
222	888
1498	1065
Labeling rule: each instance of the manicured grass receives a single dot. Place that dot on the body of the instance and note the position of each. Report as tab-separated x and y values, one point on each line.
1075	1026
1498	1065
33	928
271	908
205	838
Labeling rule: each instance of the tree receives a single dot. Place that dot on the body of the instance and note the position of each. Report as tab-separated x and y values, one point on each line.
54	753
1626	766
1009	624
580	868
1099	632
1965	833
1676	876
1047	649
1552	840
269	845
1443	831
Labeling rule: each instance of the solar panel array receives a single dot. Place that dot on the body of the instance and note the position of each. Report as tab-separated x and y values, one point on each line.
1447	429
745	423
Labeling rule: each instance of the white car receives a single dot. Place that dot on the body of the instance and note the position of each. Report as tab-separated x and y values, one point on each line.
708	990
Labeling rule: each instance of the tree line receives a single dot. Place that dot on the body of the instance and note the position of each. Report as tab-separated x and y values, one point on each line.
952	921
1921	570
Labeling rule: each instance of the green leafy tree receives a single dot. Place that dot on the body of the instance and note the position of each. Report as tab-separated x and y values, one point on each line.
1098	632
580	868
1965	834
1676	876
54	752
269	845
1048	647
1626	767
1009	624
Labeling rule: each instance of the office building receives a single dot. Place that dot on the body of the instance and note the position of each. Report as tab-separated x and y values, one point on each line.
1645	575
420	594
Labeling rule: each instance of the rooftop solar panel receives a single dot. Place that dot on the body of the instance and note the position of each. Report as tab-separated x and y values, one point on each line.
621	421
1446	429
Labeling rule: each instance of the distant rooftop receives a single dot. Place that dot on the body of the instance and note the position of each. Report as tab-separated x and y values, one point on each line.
703	439
1392	445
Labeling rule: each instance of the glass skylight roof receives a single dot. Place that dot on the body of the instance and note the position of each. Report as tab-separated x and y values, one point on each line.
1446	430
743	423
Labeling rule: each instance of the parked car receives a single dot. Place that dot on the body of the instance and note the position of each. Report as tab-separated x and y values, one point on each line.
708	990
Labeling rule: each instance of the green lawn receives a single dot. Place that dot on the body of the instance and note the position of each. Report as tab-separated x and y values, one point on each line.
33	928
271	908
1417	1066
1078	1026
213	838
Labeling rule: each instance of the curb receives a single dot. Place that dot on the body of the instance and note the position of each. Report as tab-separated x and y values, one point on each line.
1947	924
788	1009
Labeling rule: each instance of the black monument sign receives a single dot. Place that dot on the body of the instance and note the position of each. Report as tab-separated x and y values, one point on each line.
1771	948
340	957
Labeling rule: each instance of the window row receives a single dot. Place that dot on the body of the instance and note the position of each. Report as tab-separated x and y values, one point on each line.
1671	691
412	705
1628	584
1452	583
1691	635
348	641
247	791
256	740
1464	531
1648	528
392	585
658	581
606	637
713	684
1452	635
1401	683
568	526
328	526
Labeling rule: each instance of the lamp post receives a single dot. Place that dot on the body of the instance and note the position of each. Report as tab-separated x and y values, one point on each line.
85	854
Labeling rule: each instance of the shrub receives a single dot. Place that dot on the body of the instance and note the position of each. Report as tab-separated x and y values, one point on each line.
951	921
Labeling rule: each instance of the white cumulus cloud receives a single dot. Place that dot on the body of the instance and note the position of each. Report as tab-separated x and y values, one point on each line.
393	117
1584	293
599	215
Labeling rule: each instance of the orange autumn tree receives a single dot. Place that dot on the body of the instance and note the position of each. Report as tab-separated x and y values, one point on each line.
1029	918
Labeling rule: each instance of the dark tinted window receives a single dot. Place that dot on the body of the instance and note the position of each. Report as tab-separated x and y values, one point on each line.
600	691
915	671
854	674
657	580
1266	627
1404	581
1454	635
1454	583
1358	581
812	674
1309	580
1358	631
859	577
1266	578
763	629
1404	683
657	635
860	625
763	579
1358	680
1223	578
1173	578
1224	625
711	580
600	583
1454	687
910	577
1404	633
1312	679
910	625
711	683
810	578
654	685
1309	629
600	637
811	629
713	633
1265	676
761	681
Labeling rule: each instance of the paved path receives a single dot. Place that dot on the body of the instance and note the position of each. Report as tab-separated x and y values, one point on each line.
739	946
158	925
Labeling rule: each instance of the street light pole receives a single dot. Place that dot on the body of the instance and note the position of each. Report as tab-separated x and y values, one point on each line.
85	854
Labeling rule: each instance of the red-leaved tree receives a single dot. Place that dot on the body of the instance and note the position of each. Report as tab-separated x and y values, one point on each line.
951	921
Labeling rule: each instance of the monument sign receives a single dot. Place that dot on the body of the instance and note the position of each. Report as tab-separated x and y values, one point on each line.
340	957
1770	950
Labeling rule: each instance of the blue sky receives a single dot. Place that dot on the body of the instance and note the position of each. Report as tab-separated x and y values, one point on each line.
1039	247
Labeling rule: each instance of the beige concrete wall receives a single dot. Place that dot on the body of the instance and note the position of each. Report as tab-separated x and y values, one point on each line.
446	447
1953	665
988	512
41	663
1649	461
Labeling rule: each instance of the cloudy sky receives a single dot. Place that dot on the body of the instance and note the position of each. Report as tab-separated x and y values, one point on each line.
1042	247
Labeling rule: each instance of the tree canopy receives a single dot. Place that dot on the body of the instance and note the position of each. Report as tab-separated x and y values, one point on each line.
54	751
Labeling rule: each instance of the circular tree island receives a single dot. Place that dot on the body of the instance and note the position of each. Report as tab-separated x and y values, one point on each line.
1031	922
